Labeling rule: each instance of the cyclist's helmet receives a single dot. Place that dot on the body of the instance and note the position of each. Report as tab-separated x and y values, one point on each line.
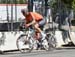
24	10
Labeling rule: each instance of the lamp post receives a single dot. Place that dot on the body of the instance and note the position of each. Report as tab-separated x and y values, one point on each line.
30	5
7	14
11	15
46	5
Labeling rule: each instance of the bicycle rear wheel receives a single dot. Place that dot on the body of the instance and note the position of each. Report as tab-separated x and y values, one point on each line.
51	41
24	44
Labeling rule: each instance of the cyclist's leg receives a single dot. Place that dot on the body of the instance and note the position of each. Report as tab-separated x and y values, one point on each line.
41	25
38	25
44	40
38	35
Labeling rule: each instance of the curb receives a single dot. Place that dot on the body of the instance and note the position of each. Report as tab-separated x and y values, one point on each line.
65	48
59	48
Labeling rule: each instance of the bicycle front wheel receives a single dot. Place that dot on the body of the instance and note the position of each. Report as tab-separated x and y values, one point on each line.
23	44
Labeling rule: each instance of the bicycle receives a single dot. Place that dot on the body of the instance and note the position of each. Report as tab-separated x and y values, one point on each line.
28	38
50	32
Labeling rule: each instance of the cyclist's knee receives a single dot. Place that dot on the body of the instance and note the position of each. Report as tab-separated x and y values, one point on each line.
36	25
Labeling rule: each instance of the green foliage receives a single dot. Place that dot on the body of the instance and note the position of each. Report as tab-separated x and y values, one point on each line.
13	1
67	1
70	4
21	1
73	5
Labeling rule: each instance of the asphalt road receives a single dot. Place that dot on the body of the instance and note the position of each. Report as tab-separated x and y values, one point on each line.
54	53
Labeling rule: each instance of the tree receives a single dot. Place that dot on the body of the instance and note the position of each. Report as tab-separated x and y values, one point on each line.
73	5
68	3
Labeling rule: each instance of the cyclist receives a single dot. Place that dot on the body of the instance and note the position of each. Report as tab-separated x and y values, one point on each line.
35	19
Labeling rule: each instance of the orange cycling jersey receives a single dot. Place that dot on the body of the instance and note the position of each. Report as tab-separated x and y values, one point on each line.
37	16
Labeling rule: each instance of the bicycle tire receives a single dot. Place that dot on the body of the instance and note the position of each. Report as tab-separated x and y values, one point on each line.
51	41
21	44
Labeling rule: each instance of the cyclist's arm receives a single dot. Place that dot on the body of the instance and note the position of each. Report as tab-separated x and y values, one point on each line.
31	23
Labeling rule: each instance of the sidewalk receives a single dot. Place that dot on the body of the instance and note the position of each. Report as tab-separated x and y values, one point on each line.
67	46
